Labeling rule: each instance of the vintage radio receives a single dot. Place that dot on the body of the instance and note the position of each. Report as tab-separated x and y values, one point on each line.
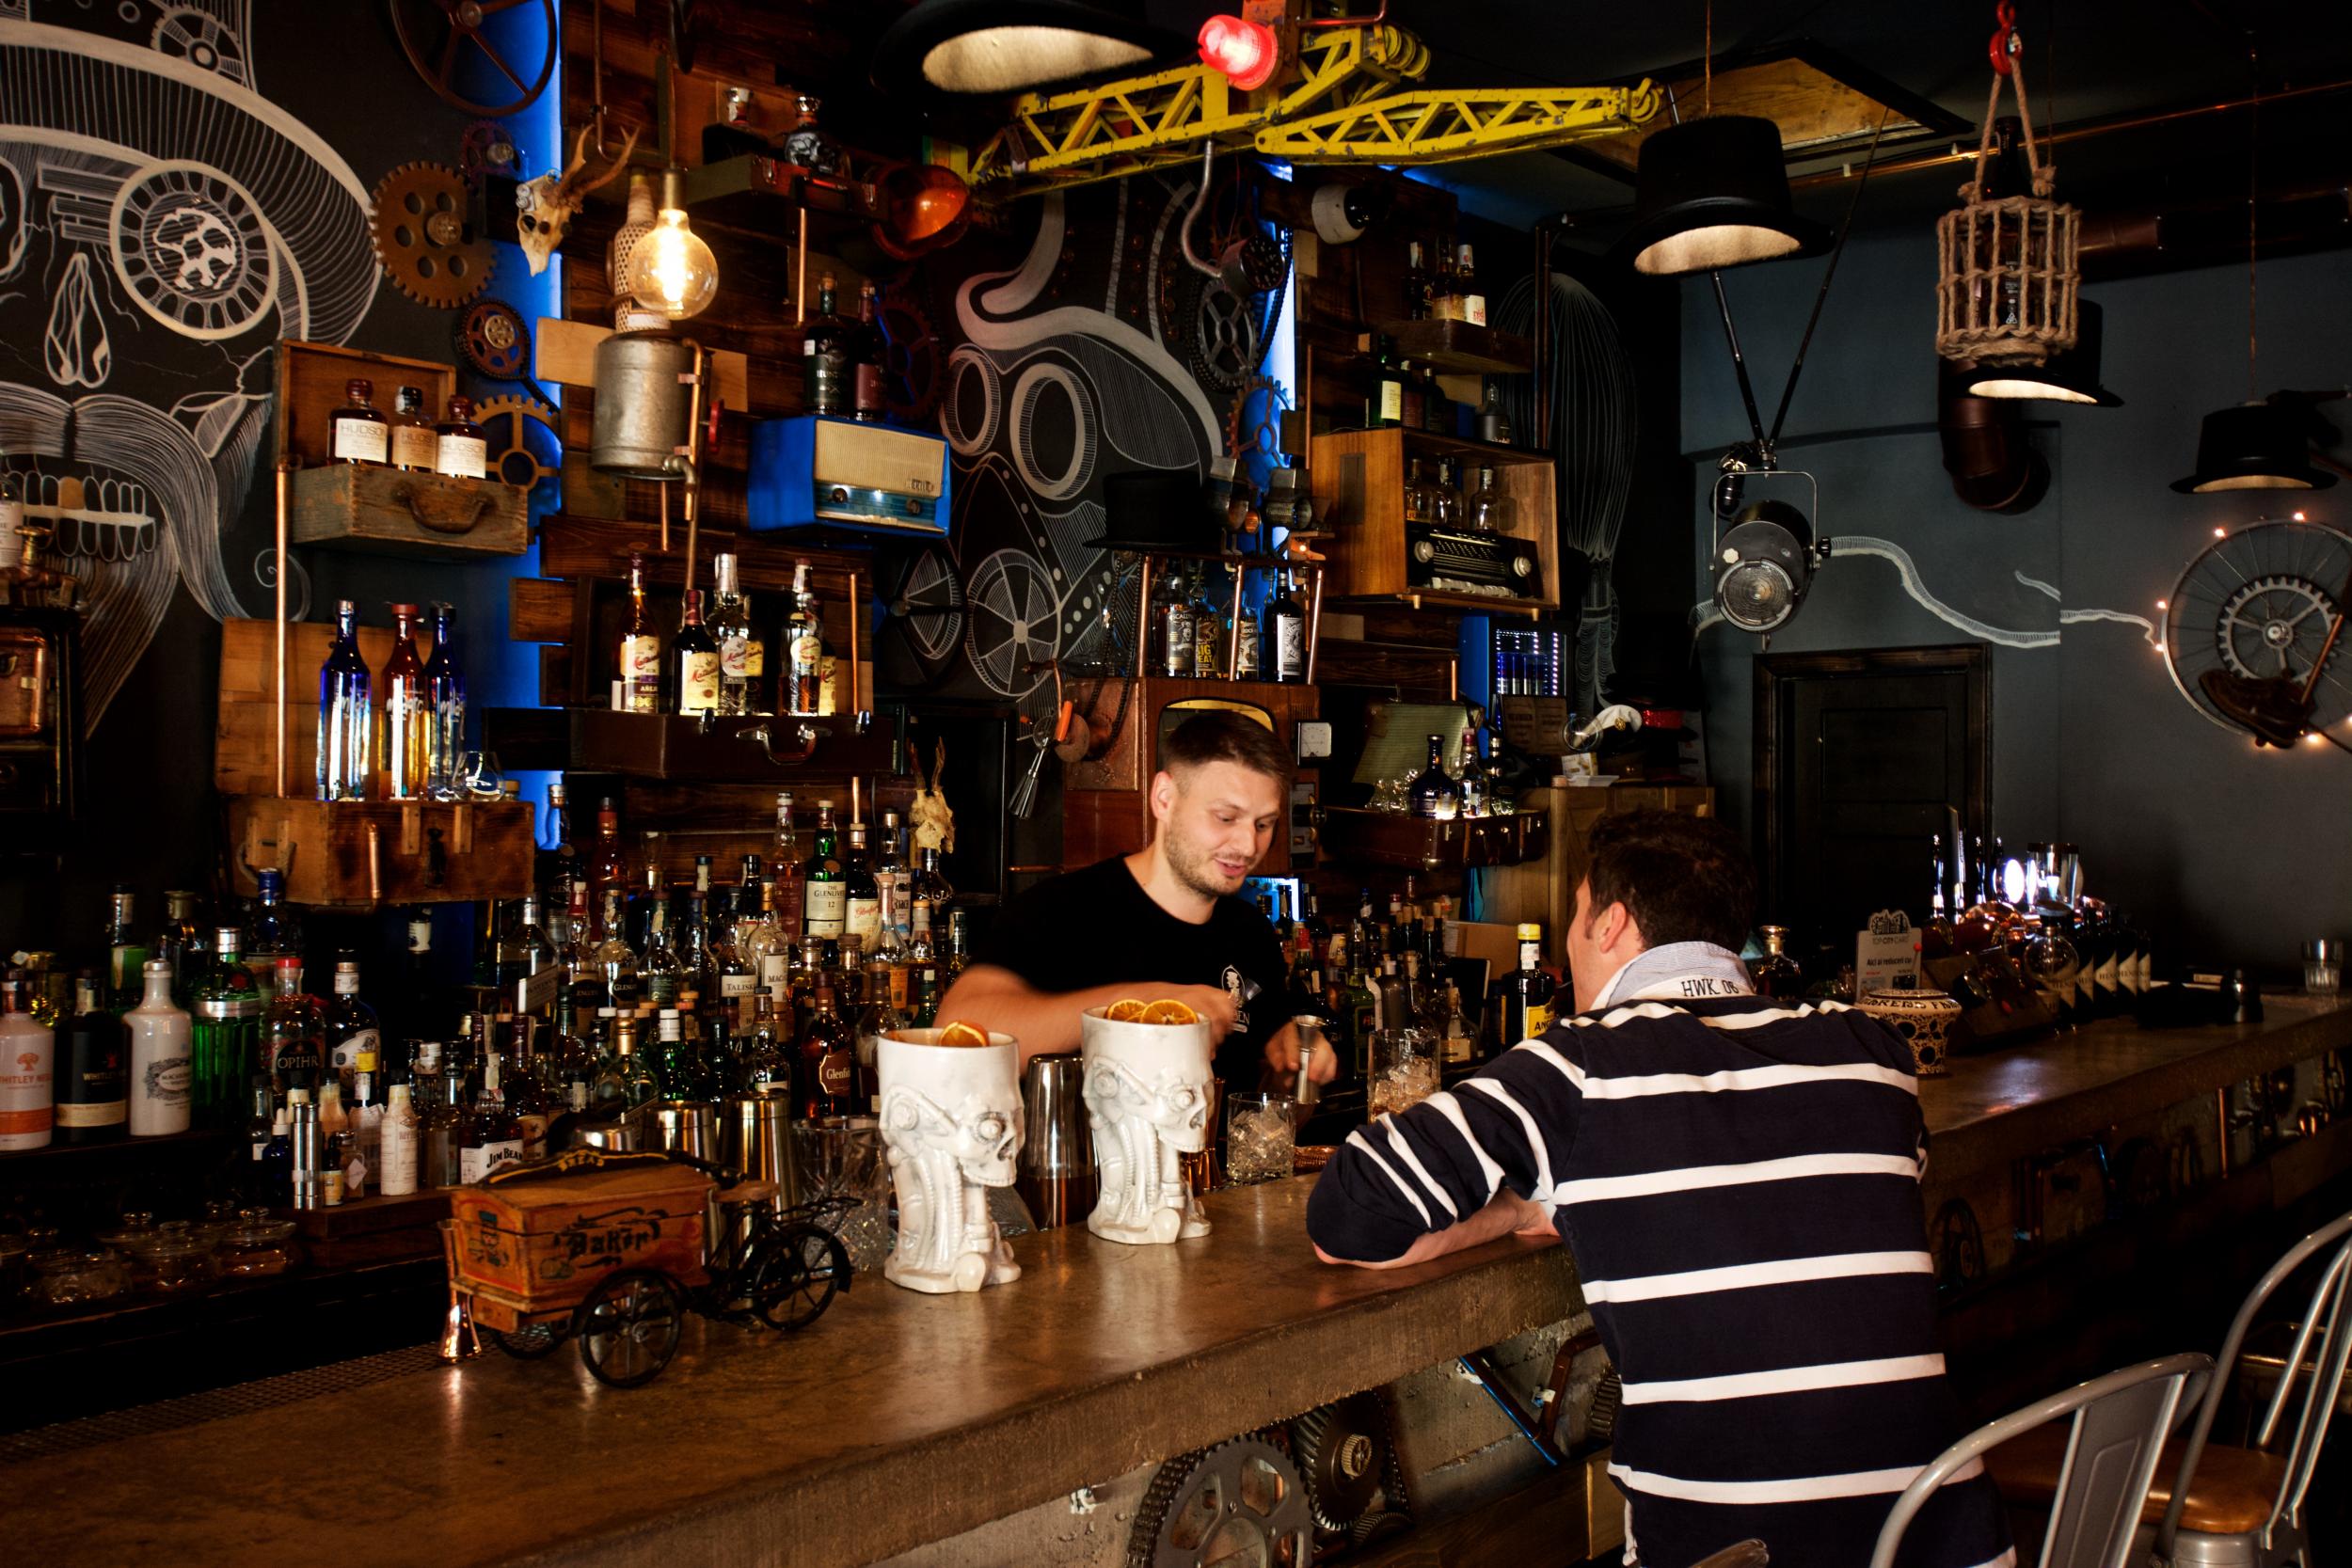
1495	564
869	477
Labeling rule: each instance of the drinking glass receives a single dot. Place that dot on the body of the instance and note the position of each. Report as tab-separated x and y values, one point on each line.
1260	1137
2322	965
1404	1068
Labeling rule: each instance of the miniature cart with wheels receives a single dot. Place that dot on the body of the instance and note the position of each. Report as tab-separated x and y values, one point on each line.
611	1249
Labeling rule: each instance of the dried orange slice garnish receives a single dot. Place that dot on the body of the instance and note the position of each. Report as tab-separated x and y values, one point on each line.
1125	1010
1168	1012
963	1034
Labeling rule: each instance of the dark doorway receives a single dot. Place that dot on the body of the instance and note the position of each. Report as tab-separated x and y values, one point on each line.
1857	757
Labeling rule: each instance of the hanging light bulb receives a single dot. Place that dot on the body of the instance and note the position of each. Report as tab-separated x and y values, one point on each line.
672	270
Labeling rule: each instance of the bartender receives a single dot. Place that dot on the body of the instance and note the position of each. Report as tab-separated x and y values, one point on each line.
1166	923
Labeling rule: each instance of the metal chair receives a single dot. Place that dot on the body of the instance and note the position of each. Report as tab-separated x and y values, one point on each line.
2121	1422
2243	1508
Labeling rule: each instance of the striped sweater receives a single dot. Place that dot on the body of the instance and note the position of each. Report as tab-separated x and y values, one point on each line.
1738	1182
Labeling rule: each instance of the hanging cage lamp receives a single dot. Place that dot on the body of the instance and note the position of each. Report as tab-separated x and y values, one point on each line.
2008	267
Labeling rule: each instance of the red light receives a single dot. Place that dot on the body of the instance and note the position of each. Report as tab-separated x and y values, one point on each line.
1245	52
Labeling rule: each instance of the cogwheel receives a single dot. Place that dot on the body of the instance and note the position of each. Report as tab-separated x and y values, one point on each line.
493	337
1338	1447
1221	337
417	219
514	461
914	361
1253	422
1241	1499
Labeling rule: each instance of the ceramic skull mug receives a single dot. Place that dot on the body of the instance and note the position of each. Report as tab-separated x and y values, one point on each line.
951	1122
1147	1094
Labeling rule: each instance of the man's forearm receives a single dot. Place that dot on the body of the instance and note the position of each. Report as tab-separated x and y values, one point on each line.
1505	1214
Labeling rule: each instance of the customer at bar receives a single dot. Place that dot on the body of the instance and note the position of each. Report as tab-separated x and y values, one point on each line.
1166	922
1738	1182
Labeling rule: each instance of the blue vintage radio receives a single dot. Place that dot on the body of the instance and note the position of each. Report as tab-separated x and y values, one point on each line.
819	471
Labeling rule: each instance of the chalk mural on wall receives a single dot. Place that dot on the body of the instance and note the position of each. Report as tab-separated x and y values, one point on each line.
162	226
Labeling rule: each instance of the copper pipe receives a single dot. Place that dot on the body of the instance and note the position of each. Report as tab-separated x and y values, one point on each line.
2083	132
2221	1126
1233	639
857	686
693	451
800	277
1144	614
1314	626
375	864
285	473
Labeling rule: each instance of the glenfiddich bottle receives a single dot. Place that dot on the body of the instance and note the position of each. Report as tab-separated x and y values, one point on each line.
358	432
640	648
1432	793
829	1068
826	888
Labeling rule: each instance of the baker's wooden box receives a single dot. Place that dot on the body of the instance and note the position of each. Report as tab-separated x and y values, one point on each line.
359	854
361	507
545	1242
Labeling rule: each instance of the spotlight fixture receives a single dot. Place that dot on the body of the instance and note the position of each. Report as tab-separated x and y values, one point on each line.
1342	212
1764	562
2255	446
1712	194
995	46
671	269
1245	52
2069	377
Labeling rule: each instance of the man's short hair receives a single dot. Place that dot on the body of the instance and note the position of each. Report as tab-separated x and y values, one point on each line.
1681	878
1220	734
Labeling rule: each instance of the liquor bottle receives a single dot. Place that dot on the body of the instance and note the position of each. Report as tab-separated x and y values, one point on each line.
861	896
1413	409
1432	793
276	1161
894	875
660	975
159	1056
396	1157
764	1065
417	1010
334	1140
1494	425
406	738
1208	632
878	1016
346	712
445	694
807	144
293	1032
352	1028
638	1083
529	974
556	869
827	890
1415	283
1472	779
640	680
180	944
1458	1047
742	657
760	943
1525	997
1777	973
804	648
226	1031
825	357
431	1091
27	1063
366	1128
828	1051
733	982
1176	629
1286	632
1936	938
792	874
694	662
460	449
924	901
675	1068
608	863
1384	388
1492	509
90	1095
959	945
358	432
488	1136
526	1097
273	929
1469	304
868	369
414	444
126	959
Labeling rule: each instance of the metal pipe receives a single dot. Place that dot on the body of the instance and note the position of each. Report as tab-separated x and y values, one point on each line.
857	688
1314	625
1482	1372
1143	615
1233	641
285	471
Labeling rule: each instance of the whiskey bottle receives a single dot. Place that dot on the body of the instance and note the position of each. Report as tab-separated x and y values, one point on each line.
460	449
159	1062
694	660
415	446
608	863
765	1064
90	1096
1524	997
792	874
640	648
869	401
660	973
1432	793
825	357
828	1051
804	648
346	713
1416	282
807	144
488	1136
1492	509
406	738
826	880
742	657
1776	975
358	432
862	894
1286	632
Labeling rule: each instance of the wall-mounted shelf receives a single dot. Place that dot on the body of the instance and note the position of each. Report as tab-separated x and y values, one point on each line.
726	750
1360	482
1424	842
1461	347
364	854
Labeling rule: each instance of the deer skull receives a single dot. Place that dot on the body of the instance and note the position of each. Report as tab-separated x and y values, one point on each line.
545	207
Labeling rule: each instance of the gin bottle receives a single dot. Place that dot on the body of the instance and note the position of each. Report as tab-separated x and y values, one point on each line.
346	712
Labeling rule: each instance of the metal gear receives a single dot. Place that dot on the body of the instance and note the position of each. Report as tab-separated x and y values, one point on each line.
432	34
2268	621
1221	342
1338	1449
1241	1501
914	361
514	462
494	339
417	219
1253	420
488	149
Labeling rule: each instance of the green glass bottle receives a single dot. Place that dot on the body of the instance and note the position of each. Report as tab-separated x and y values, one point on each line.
224	1034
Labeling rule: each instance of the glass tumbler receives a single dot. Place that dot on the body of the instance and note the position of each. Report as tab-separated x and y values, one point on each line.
2322	965
1404	1068
1260	1137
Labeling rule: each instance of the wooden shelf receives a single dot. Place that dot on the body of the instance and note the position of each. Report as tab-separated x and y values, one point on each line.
1461	347
668	745
1478	452
198	1140
366	854
1457	844
1359	482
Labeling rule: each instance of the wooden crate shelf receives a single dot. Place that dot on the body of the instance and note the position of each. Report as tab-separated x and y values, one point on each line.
721	750
1359	494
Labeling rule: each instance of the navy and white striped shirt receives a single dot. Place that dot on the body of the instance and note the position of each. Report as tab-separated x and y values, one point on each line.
1739	1180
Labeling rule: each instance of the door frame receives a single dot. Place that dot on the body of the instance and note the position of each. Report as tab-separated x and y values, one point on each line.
1775	678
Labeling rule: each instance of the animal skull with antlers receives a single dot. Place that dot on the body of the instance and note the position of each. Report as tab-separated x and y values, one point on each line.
545	207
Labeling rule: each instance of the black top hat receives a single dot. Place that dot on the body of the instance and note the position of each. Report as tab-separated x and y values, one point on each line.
993	46
1714	193
1155	509
2255	446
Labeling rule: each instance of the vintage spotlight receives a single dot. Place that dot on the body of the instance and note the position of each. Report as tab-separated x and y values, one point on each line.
1764	559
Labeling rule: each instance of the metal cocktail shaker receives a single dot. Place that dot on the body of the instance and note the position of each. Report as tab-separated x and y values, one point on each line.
1057	1177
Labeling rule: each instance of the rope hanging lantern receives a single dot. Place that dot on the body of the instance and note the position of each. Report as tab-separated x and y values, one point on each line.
2008	269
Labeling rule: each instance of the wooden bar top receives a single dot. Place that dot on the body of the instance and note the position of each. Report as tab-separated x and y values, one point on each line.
2006	1105
895	1420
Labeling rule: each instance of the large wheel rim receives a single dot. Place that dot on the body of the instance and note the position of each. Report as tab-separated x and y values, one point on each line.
628	1329
526	1343
795	1275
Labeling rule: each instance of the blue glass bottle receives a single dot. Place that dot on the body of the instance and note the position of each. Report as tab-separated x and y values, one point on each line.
445	688
346	712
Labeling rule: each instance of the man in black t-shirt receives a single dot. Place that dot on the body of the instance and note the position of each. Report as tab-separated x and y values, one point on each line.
1163	922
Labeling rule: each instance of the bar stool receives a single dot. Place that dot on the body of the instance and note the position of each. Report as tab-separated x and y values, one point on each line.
2107	1460
2221	1506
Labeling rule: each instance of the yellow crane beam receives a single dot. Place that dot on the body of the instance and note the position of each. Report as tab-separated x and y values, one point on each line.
1439	126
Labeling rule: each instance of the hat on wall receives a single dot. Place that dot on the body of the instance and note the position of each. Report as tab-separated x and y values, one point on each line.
1154	508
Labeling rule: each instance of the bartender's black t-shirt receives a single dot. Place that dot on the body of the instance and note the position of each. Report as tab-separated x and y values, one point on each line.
1096	927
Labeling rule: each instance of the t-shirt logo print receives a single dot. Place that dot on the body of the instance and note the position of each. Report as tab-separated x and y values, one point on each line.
1233	983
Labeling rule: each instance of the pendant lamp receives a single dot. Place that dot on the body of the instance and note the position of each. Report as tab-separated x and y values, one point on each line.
1713	193
1001	46
2069	377
2255	446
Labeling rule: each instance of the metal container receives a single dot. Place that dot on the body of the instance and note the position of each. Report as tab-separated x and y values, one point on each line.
1058	1179
619	1138
683	1127
642	405
759	1140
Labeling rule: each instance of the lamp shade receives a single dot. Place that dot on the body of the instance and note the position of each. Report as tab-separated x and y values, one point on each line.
2069	377
989	46
1714	193
2254	445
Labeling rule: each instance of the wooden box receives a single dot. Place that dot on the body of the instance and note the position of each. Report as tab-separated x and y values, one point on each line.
544	1243
311	381
361	855
361	507
1359	495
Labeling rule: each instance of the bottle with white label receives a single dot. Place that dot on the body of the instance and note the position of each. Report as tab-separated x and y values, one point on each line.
489	1136
160	1034
742	657
415	446
351	1027
1286	632
461	449
695	657
359	432
28	1055
397	1157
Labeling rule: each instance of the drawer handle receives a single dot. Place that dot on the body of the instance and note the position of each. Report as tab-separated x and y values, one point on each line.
807	735
439	513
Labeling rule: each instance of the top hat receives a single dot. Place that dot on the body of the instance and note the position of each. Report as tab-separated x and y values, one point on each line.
1714	193
2255	446
1155	509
